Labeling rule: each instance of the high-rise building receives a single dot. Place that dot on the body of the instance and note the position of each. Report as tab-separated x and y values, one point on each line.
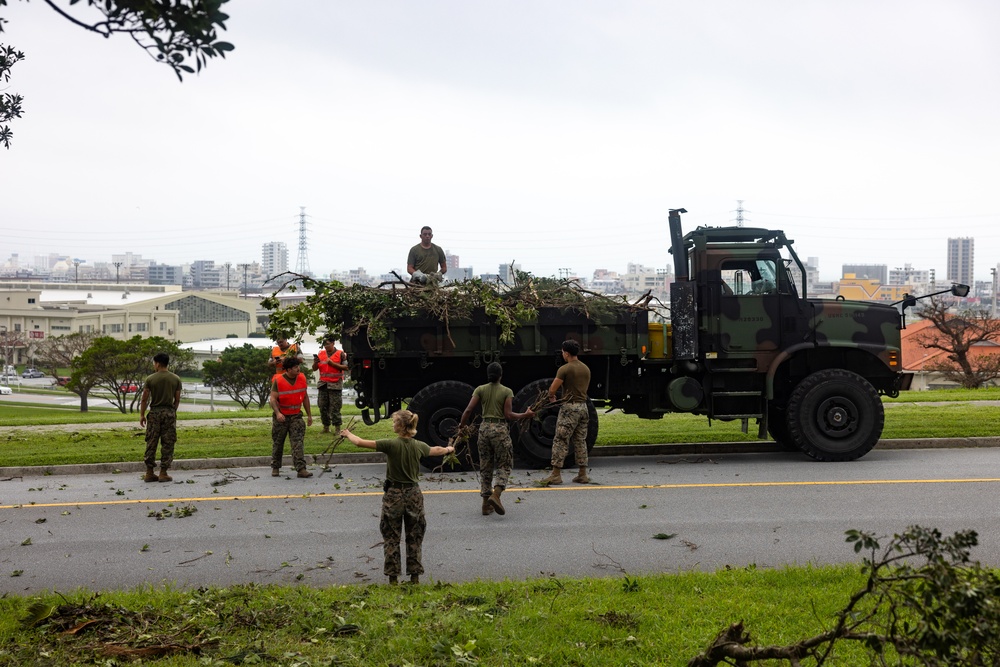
960	264
165	274
506	272
274	258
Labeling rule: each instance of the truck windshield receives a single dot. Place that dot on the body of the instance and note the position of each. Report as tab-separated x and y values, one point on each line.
749	277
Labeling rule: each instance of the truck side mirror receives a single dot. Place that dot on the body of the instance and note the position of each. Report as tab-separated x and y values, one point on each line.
960	290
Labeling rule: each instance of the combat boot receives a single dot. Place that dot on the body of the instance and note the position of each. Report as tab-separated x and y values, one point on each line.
582	477
150	475
494	500
554	478
304	473
487	508
164	477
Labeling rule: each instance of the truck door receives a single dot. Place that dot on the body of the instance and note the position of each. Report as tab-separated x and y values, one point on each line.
747	318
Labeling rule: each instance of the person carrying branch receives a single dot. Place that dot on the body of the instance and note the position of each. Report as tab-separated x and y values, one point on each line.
574	415
402	502
496	452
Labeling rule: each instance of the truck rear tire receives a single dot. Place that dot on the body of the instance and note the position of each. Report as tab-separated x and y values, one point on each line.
835	415
533	443
440	407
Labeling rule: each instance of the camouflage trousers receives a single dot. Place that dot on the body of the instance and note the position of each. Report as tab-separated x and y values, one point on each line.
331	400
495	452
403	507
571	429
294	428
161	428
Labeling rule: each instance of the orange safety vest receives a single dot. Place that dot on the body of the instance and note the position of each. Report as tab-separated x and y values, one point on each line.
328	373
290	396
277	355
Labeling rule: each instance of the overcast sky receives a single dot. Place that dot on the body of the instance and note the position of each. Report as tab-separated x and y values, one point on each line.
555	134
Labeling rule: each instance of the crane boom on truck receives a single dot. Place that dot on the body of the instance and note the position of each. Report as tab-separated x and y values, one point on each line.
743	342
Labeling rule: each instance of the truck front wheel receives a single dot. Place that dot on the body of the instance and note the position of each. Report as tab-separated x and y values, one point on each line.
835	415
440	407
533	440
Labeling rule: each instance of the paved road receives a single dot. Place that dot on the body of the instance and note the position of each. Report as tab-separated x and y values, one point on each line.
769	509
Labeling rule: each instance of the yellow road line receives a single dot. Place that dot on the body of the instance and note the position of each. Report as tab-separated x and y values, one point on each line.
527	489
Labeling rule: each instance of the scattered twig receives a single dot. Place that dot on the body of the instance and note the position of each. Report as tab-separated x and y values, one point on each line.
204	555
614	563
332	448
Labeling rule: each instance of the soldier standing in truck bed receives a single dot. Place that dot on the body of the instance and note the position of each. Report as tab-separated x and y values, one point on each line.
574	415
426	261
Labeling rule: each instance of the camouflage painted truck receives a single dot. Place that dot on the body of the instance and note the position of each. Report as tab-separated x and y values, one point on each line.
743	342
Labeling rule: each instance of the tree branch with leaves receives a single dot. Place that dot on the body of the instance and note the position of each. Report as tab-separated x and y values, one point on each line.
925	602
957	334
182	34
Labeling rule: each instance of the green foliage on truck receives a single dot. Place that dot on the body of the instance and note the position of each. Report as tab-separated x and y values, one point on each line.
740	341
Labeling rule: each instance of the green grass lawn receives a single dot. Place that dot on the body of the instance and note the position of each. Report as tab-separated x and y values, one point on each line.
663	619
247	433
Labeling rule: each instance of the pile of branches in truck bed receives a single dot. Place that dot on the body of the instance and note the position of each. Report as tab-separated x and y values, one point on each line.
342	310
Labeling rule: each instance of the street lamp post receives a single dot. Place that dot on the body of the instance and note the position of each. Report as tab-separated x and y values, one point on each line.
118	265
245	268
3	348
76	263
993	301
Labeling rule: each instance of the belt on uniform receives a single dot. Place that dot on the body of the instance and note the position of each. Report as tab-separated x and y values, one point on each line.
399	485
497	420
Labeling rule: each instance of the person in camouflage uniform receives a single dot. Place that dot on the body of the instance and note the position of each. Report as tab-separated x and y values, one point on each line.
402	502
288	397
331	364
161	391
495	448
574	415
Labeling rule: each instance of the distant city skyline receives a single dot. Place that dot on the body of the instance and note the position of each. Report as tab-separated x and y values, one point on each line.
274	258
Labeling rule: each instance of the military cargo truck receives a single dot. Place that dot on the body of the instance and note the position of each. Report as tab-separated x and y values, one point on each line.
742	342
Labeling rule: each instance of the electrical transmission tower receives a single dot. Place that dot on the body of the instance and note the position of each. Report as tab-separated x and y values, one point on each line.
302	262
739	213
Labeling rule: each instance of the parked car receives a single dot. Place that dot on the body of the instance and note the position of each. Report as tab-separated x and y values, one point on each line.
128	388
32	373
5	390
62	380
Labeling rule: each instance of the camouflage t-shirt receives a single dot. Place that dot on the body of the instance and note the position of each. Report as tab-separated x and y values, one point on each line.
493	396
403	455
576	380
427	260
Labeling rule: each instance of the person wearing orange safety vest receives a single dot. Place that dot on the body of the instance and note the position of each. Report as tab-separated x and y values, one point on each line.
331	364
288	398
279	352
